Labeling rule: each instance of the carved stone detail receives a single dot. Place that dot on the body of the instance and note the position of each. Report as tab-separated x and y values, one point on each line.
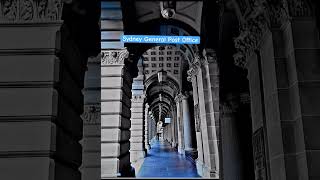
30	11
178	98
91	114
299	8
251	34
115	57
277	11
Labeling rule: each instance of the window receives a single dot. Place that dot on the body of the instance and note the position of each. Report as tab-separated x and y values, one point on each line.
146	59
169	47
168	65
153	53
161	53
176	64
154	65
169	52
146	72
168	58
146	65
177	53
175	72
153	58
160	58
160	64
176	58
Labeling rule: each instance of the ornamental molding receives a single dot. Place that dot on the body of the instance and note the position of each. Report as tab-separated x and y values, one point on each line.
138	98
30	11
91	114
114	57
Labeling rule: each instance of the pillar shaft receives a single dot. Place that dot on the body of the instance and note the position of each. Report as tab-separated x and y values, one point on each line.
187	125
115	114
137	146
146	128
180	124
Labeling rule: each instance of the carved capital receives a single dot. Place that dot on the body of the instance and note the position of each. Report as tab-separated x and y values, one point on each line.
192	72
251	35
114	57
299	8
277	12
178	98
30	11
91	114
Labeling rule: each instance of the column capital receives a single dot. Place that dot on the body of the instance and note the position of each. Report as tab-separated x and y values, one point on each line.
178	98
114	57
250	38
299	8
18	11
278	12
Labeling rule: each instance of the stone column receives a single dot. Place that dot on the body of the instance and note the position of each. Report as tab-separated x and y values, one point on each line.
200	160
91	145
146	127
207	125
188	147
174	127
137	150
116	84
41	82
210	69
180	129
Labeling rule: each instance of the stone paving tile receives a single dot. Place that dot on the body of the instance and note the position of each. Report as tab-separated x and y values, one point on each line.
164	161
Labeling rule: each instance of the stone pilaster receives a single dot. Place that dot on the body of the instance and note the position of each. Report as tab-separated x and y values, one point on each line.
192	77
116	85
137	148
206	117
146	127
41	102
187	129
178	100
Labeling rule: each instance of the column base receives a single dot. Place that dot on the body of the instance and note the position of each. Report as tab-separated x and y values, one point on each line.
205	172
181	151
137	155
199	166
191	153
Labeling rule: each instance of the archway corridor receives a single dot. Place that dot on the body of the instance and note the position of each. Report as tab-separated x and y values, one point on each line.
220	106
162	160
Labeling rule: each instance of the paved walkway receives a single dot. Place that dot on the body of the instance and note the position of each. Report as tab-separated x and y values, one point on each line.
163	161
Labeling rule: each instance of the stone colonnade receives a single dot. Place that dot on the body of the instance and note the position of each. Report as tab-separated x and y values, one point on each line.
204	76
